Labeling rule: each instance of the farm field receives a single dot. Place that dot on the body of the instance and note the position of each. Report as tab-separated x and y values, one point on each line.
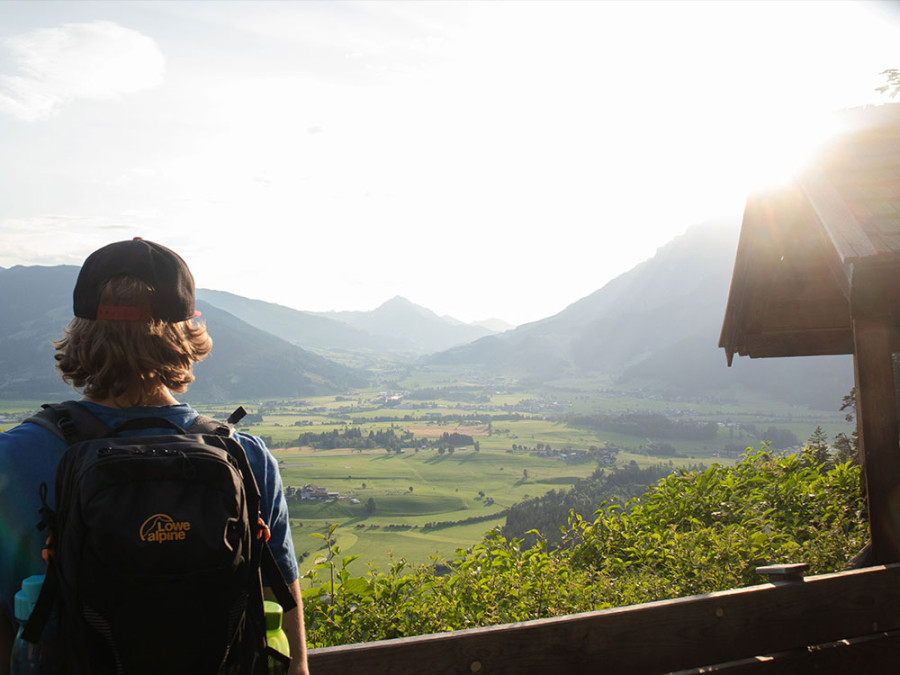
409	491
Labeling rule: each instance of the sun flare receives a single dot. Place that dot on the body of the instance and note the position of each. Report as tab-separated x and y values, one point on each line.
775	152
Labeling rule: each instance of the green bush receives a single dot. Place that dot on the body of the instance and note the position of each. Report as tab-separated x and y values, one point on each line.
708	530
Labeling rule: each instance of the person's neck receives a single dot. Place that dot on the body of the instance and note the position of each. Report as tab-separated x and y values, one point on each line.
158	397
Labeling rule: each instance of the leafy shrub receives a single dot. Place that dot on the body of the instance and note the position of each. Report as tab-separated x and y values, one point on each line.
708	530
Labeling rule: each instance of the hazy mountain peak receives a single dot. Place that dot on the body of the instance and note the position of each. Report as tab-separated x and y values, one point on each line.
399	304
398	301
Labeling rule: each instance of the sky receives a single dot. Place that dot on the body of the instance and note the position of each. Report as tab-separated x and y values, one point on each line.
481	159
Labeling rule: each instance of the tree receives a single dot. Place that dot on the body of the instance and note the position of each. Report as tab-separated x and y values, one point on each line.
818	445
370	506
892	85
847	447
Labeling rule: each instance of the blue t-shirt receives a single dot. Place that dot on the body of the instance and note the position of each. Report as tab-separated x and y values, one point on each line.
28	457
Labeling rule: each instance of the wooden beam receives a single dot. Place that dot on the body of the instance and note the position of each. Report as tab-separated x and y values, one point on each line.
799	343
878	432
657	637
802	343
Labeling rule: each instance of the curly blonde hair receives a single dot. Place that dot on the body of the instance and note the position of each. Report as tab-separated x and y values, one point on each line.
129	359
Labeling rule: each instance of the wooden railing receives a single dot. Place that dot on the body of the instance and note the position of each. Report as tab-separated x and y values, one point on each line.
848	622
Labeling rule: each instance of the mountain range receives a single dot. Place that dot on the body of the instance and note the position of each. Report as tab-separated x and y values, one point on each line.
656	327
396	327
653	329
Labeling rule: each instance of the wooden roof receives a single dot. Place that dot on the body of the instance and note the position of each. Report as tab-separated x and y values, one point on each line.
821	249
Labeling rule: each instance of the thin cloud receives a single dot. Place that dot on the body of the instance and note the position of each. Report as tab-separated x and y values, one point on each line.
98	61
59	239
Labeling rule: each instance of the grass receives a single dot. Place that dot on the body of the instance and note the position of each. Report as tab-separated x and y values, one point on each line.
444	488
12	411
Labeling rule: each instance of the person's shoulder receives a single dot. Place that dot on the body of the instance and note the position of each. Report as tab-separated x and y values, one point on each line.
27	433
251	443
29	447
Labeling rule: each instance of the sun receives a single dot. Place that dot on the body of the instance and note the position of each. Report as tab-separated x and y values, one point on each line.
778	149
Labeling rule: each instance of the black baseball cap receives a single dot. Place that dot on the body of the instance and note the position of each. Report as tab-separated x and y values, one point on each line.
157	266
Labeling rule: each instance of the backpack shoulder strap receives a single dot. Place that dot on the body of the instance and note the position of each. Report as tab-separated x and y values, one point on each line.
275	579
207	425
268	565
46	600
71	421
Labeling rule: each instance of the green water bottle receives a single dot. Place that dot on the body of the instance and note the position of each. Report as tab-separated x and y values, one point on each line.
276	638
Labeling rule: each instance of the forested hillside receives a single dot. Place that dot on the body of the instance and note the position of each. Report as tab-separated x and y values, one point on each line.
546	517
36	303
247	363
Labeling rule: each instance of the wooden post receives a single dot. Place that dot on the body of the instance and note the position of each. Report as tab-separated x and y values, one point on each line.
776	574
878	432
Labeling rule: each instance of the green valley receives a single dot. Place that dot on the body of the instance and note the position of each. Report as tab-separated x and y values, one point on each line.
428	496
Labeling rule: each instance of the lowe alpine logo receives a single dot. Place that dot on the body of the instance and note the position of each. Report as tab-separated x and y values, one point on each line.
161	528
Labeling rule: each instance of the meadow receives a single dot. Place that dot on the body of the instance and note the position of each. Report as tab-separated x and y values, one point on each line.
410	491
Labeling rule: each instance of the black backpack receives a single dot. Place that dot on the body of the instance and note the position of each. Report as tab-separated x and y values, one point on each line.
156	550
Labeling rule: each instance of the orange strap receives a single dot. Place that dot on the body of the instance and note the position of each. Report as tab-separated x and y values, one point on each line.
264	532
47	552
